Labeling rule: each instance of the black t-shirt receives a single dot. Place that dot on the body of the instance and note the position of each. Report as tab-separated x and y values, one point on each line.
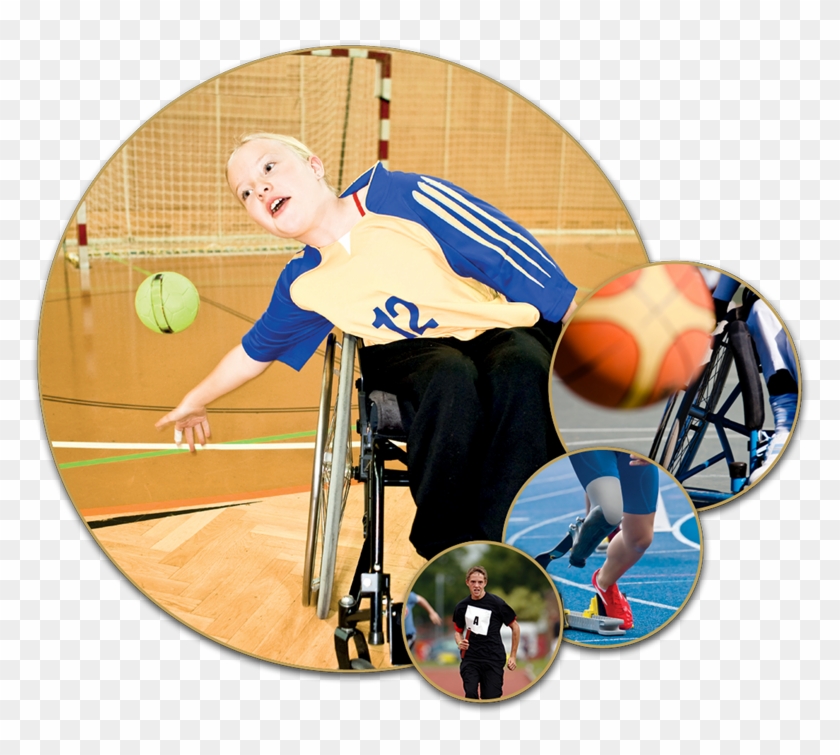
484	619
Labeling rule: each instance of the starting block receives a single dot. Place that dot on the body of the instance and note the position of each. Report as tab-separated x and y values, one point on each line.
591	620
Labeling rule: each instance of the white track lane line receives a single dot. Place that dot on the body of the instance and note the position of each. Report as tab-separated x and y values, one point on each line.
588	588
170	446
604	441
543	523
609	429
543	496
675	531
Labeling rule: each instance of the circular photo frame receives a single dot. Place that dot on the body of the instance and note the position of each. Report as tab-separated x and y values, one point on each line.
483	622
251	536
686	364
618	536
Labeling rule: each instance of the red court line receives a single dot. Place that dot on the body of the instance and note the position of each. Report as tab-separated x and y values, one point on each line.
137	508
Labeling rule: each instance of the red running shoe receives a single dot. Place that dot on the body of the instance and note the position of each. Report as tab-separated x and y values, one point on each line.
614	602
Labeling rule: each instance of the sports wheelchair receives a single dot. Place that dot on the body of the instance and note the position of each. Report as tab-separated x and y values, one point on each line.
380	428
680	434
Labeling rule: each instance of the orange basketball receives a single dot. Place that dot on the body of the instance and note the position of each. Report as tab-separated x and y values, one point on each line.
639	338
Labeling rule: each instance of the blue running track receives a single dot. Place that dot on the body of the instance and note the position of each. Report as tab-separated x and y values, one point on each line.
657	586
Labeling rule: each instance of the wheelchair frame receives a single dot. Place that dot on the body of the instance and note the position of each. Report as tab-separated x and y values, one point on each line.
333	469
700	407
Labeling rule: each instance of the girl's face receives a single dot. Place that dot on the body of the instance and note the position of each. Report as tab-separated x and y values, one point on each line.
280	190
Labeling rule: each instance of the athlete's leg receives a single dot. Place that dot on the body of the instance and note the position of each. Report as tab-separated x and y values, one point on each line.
771	342
640	489
471	676
492	680
627	547
513	367
778	363
436	386
597	472
624	551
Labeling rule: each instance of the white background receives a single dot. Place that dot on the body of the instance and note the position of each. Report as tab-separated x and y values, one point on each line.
718	125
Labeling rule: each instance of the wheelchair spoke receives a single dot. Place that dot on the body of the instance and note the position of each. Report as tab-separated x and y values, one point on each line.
697	407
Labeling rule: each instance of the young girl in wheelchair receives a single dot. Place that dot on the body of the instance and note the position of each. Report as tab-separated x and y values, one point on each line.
458	307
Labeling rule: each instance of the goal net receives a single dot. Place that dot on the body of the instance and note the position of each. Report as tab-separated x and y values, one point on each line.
165	191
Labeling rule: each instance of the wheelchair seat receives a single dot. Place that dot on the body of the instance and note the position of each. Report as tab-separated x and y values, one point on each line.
385	416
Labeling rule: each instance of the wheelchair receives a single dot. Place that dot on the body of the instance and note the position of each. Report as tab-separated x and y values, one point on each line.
705	402
380	429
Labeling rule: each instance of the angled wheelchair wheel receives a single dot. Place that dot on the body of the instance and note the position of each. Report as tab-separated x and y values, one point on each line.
312	557
331	475
692	419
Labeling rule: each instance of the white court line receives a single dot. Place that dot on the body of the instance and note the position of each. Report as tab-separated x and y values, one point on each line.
588	588
170	446
675	531
533	527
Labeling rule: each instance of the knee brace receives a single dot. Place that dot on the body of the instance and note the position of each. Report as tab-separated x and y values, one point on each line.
591	532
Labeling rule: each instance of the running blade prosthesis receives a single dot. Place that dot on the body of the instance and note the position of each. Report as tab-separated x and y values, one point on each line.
582	539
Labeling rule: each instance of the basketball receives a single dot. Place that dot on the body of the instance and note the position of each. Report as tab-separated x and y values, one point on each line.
166	302
639	338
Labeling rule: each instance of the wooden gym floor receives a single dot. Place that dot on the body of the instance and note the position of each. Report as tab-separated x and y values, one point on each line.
216	538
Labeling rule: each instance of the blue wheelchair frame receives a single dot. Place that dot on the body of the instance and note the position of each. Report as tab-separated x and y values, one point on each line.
701	406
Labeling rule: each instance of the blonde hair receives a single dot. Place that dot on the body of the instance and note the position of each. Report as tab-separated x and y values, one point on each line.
296	146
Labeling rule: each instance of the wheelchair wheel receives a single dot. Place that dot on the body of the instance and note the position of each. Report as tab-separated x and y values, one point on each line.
319	557
700	400
337	471
314	527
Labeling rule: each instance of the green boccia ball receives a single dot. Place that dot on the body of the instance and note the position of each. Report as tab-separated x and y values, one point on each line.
166	302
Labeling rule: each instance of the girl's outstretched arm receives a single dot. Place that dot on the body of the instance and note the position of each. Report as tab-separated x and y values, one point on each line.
190	416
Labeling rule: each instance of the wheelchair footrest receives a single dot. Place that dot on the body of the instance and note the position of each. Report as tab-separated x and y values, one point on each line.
591	621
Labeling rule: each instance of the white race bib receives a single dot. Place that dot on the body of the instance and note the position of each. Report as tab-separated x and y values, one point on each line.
477	620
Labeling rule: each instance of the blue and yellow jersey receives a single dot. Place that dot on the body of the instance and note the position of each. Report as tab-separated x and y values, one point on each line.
425	260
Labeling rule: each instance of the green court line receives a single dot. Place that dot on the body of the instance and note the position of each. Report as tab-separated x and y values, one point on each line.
170	451
129	457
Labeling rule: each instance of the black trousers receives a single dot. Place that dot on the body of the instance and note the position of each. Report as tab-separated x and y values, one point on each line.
484	678
479	425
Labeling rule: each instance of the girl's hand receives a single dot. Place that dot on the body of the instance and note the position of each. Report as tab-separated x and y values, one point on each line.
190	422
636	461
